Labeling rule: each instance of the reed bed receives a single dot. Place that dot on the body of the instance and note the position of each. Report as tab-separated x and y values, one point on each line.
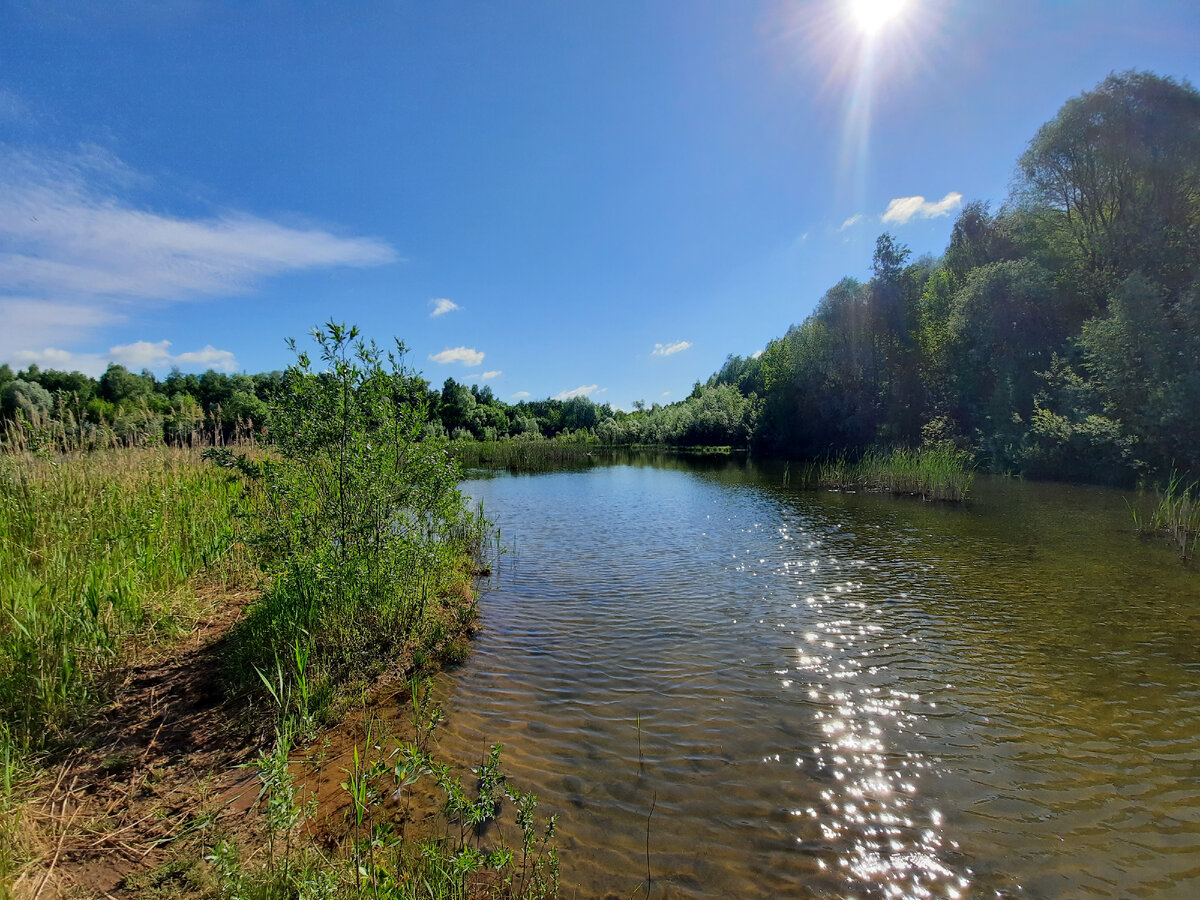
138	426
522	456
1176	515
97	551
931	473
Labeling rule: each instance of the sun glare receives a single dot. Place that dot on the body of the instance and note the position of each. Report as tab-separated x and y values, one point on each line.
872	16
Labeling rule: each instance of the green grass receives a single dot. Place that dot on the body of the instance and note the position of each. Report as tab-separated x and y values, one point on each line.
528	456
931	473
97	552
1176	515
100	555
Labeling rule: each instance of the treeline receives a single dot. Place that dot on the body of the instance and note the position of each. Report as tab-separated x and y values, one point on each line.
131	409
713	414
1057	337
124	408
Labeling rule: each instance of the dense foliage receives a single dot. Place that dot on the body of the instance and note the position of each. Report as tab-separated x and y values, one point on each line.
1056	337
122	408
363	528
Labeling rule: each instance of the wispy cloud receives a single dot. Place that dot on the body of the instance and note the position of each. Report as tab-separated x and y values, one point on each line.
584	390
468	356
12	108
488	376
852	221
136	356
441	306
35	322
75	243
756	354
668	349
521	395
901	209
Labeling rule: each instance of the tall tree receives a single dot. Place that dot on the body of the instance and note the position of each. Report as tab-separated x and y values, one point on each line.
1121	166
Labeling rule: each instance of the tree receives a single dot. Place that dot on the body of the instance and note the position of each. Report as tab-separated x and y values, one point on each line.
1003	330
25	398
1119	165
118	385
579	412
1142	358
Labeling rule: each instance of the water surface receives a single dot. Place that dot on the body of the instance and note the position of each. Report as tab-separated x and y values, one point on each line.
839	695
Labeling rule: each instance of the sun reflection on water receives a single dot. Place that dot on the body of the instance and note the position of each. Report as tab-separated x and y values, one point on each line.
869	826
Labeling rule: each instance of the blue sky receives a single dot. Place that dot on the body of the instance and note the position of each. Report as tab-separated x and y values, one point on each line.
550	197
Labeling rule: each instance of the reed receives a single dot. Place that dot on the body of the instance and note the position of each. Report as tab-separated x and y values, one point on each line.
98	555
931	473
1176	515
61	432
528	456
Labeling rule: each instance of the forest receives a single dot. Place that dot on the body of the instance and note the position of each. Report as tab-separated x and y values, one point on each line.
1057	336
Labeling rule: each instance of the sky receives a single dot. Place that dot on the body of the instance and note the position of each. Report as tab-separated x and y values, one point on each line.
551	198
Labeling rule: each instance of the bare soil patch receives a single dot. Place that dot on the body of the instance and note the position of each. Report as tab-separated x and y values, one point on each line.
157	775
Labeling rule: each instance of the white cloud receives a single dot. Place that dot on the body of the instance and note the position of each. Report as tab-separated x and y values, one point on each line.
852	221
77	246
207	356
756	354
901	209
495	373
521	395
666	394
584	390
468	356
668	349
441	306
136	356
141	354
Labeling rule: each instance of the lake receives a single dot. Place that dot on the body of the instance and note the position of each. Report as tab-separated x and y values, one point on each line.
789	693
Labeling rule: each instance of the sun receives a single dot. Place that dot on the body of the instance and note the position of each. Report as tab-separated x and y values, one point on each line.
872	16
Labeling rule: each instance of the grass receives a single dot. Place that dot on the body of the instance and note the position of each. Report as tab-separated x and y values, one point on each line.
484	841
528	456
97	553
1176	515
100	555
931	473
366	550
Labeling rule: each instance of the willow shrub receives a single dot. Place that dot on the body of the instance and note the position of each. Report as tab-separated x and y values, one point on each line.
365	533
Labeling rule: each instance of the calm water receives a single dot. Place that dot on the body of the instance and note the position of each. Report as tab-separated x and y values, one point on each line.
839	695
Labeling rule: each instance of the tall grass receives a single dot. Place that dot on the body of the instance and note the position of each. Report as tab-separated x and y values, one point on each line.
528	456
96	554
1176	515
61	431
931	473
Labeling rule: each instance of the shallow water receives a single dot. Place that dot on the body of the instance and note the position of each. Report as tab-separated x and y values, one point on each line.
832	695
